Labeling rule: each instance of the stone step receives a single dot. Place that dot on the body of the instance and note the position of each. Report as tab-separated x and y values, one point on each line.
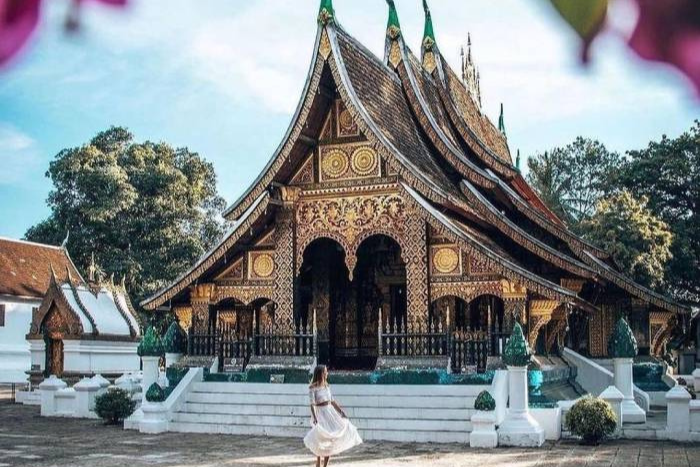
305	421
300	432
393	390
387	401
354	412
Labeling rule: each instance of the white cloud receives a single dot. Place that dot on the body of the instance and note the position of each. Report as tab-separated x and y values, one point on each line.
19	154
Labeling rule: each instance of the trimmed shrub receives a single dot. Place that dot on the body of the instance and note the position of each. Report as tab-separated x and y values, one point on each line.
592	419
175	340
151	344
517	352
155	393
114	405
485	401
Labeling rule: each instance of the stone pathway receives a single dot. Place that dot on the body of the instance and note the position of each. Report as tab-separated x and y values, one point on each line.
26	439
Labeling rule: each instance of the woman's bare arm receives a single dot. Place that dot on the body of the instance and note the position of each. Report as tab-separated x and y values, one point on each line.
313	414
337	407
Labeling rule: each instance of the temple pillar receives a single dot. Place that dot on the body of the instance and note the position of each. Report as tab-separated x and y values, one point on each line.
416	258
285	268
514	304
540	314
200	298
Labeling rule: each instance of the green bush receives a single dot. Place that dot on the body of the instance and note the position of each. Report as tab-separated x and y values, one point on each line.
155	393
114	405
592	419
485	401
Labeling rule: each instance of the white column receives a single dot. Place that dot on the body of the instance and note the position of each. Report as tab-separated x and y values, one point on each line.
696	379
483	433
85	392
519	427
48	389
678	415
614	397
171	359
631	412
150	374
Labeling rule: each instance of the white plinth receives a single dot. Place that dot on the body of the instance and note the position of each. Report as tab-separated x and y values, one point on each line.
85	392
678	415
48	389
631	412
155	418
519	427
172	358
614	397
483	433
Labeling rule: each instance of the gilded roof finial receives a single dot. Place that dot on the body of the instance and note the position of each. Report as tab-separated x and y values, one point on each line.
393	27
501	122
53	274
517	161
64	243
326	13
428	33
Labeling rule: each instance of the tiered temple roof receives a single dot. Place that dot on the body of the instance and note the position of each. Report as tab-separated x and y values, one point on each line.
451	160
24	267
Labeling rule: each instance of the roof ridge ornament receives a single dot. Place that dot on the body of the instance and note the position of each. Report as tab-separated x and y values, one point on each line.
393	27
501	122
517	161
428	33
326	12
64	243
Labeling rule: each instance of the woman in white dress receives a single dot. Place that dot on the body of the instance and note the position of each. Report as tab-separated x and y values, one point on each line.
332	432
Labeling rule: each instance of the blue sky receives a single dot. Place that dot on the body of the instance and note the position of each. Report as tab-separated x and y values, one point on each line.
222	77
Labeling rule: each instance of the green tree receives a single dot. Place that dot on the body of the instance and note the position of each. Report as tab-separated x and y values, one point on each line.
639	242
573	178
667	172
146	210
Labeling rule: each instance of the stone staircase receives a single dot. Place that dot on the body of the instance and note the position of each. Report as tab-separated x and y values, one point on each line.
439	414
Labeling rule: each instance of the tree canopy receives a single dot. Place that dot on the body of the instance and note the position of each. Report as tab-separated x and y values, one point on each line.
146	210
573	178
667	173
643	207
639	242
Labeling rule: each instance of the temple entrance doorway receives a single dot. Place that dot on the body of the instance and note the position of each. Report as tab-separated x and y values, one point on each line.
347	311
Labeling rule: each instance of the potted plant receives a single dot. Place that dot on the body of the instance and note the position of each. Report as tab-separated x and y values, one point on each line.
483	433
592	419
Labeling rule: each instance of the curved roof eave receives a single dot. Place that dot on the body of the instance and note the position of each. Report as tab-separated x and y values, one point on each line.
634	288
524	239
513	271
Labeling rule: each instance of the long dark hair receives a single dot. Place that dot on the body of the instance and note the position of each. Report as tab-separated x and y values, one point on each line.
318	378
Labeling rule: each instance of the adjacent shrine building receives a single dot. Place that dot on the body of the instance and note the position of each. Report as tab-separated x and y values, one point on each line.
391	227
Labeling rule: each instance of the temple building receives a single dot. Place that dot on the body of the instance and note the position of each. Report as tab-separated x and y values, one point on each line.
83	328
391	227
24	278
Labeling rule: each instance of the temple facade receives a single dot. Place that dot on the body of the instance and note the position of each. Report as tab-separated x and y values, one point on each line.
391	227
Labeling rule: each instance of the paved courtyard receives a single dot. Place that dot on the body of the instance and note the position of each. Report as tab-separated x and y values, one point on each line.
26	439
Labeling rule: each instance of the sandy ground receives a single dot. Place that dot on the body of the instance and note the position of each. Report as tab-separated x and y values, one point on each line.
26	439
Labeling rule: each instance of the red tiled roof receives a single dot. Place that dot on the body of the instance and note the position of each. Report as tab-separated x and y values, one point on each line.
25	267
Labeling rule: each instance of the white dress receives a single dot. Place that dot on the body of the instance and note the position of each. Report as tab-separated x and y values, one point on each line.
332	434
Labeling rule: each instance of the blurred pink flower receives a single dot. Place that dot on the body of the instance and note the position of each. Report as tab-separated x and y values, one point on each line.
19	18
669	31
